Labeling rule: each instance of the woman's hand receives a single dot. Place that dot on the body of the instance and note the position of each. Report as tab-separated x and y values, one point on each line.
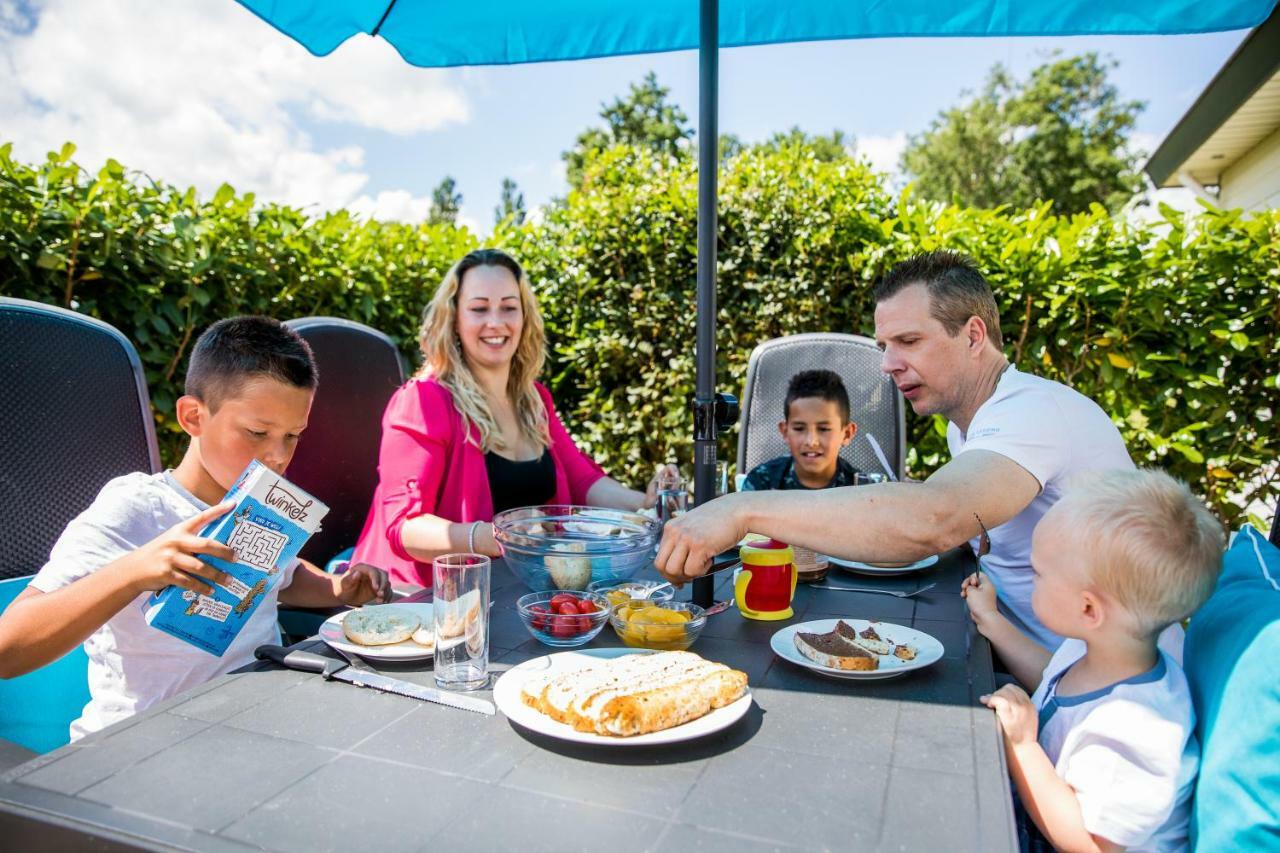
666	472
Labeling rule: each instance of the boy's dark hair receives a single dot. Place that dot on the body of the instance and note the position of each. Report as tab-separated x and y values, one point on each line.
824	384
957	290
235	350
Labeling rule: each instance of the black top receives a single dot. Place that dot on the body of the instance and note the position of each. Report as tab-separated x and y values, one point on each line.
780	473
514	484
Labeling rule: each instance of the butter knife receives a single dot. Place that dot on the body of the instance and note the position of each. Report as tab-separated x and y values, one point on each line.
359	673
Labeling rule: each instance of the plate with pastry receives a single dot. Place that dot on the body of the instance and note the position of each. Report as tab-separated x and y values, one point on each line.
856	649
623	697
395	632
884	570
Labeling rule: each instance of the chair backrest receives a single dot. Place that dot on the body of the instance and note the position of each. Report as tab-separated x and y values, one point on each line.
875	403
337	458
74	413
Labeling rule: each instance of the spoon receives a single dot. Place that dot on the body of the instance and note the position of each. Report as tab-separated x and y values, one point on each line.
652	591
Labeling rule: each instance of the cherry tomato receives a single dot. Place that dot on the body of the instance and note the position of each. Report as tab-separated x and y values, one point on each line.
586	605
563	628
559	599
539	619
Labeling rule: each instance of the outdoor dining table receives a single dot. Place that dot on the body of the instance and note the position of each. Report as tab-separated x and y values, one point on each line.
271	758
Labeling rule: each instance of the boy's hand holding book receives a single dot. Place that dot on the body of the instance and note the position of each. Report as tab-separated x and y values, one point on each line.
170	559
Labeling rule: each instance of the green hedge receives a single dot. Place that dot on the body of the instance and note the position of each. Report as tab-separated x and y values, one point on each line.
1172	326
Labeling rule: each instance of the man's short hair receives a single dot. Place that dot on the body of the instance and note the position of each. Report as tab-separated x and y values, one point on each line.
234	351
1146	541
818	383
957	290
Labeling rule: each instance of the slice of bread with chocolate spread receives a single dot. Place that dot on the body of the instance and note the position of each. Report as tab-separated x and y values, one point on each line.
834	651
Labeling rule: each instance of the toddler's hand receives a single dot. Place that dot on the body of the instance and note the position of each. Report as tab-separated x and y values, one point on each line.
1016	713
170	558
979	594
363	583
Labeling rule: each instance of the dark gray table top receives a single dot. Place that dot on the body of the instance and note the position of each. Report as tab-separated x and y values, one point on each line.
269	758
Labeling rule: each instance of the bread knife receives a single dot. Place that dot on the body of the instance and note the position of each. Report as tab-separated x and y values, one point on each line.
364	676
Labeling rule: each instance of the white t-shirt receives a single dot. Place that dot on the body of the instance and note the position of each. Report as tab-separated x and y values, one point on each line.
1053	432
132	666
1128	750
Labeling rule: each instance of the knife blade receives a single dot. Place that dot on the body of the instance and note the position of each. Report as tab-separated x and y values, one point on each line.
366	677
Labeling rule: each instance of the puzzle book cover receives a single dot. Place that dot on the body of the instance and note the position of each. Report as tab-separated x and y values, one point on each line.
271	521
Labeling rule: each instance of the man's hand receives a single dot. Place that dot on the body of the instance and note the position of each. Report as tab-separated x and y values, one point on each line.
979	593
1017	715
170	559
361	584
691	541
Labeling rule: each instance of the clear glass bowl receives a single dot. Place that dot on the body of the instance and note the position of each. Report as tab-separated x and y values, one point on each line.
557	629
642	631
569	547
631	590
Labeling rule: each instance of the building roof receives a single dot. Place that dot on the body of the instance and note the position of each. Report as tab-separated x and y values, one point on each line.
1237	110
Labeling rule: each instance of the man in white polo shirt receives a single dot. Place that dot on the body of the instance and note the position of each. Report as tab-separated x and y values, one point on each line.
1015	439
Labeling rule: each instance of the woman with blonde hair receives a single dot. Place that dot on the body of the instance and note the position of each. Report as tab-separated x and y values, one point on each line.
474	433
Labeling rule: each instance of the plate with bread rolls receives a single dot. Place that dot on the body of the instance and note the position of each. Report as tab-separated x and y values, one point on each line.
394	632
856	649
623	697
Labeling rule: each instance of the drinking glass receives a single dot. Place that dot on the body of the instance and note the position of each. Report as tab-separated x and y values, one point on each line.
868	478
673	497
461	611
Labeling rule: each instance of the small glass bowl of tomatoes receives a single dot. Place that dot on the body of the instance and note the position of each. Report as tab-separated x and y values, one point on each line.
563	618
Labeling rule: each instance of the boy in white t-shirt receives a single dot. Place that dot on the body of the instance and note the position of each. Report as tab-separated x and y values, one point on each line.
1103	754
249	388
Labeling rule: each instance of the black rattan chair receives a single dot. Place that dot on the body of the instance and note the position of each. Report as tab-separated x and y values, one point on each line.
74	413
337	458
876	406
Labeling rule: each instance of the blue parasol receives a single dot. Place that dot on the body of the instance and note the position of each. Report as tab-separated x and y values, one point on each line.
433	33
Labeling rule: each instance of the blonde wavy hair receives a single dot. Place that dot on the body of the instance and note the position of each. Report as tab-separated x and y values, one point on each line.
443	359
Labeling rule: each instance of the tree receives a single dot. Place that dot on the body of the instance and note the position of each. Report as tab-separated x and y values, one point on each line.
827	149
1060	135
643	118
445	203
511	205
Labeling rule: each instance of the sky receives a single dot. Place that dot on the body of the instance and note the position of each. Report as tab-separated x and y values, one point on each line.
198	92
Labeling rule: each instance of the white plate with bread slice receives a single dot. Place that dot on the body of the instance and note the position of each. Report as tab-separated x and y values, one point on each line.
393	632
856	649
622	697
884	570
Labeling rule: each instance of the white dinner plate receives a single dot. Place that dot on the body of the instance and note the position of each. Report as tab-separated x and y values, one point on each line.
882	571
928	650
506	695
331	633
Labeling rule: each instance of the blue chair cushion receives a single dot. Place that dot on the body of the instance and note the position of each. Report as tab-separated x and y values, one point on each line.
36	709
1232	651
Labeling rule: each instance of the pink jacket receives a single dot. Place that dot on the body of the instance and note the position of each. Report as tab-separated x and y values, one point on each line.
425	467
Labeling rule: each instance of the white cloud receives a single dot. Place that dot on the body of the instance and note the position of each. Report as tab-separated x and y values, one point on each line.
882	152
194	92
392	205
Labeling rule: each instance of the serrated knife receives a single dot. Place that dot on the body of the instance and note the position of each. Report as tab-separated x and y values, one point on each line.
362	675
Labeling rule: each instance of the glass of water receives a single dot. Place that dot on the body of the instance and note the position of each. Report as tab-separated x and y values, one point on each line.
461	611
673	496
868	478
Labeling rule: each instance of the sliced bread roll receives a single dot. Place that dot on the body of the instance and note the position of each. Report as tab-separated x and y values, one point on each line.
379	626
636	694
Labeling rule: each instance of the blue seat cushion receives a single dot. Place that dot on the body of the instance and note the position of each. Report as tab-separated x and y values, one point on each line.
1232	656
37	709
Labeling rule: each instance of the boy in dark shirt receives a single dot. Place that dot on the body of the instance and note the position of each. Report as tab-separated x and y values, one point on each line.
816	427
